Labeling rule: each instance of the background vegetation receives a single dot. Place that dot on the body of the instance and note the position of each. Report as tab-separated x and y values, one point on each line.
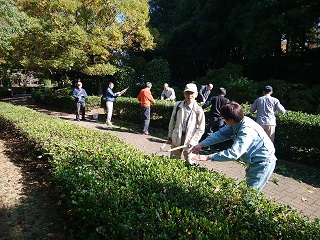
178	41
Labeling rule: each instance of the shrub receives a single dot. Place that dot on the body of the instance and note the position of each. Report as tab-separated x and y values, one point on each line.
117	194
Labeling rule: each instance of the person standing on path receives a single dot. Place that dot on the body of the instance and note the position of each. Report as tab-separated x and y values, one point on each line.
204	93
217	102
187	124
168	93
110	98
251	144
80	95
266	107
145	98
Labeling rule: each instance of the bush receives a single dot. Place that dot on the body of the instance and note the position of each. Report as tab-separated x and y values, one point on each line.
117	194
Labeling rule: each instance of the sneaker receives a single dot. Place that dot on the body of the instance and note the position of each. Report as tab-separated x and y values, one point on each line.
145	133
109	123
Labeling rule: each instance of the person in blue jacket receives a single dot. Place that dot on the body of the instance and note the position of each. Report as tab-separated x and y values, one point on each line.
251	144
110	98
80	95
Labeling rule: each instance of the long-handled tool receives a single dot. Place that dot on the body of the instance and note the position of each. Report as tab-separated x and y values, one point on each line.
176	148
124	90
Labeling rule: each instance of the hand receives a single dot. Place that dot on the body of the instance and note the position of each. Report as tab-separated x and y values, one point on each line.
196	148
201	158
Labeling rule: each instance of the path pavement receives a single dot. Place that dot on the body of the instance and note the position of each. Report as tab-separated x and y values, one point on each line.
301	196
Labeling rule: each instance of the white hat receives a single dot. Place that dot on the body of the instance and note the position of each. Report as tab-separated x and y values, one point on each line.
191	87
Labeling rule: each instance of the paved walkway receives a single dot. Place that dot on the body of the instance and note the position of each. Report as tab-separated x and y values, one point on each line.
301	196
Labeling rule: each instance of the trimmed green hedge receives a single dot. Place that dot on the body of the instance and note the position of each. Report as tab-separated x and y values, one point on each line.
114	191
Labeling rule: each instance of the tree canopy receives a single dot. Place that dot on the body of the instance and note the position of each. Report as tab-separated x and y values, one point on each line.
88	36
206	34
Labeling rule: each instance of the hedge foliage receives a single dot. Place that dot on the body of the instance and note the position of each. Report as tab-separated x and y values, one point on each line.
297	134
114	191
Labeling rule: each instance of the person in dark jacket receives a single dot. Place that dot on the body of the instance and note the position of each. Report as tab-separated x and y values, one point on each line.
217	102
110	98
80	95
204	93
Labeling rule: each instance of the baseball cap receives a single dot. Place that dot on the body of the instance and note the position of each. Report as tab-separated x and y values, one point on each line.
191	87
268	89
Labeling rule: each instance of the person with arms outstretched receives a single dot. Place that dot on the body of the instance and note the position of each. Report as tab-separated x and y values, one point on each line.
251	144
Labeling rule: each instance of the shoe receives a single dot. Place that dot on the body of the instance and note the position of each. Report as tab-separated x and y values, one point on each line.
83	119
77	119
145	133
109	123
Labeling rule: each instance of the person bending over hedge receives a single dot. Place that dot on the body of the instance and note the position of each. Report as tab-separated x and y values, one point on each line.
251	144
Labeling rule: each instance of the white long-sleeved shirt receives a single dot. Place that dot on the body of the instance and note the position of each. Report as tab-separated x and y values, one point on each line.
266	107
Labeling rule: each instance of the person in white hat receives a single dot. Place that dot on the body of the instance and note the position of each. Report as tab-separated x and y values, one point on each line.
187	124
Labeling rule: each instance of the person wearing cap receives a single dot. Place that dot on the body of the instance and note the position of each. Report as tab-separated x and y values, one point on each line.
187	124
168	93
204	93
217	102
79	95
266	107
110	98
251	144
145	98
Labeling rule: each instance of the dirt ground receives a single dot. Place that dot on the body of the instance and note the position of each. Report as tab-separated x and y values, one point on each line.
29	205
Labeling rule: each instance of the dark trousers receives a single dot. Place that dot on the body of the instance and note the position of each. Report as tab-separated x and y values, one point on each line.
80	106
145	118
215	123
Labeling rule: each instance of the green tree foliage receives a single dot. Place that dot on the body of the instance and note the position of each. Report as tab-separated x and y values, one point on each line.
82	35
201	35
12	23
157	72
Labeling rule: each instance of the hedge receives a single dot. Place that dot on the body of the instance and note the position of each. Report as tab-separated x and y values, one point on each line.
114	191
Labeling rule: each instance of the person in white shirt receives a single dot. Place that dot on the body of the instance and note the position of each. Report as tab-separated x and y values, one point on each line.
168	93
266	107
187	124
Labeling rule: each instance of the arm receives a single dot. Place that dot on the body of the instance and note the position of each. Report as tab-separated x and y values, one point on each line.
150	97
201	93
253	108
84	93
200	121
172	122
110	93
75	93
280	108
162	97
173	95
222	135
207	103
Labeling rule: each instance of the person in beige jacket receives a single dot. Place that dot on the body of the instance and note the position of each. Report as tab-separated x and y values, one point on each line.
187	124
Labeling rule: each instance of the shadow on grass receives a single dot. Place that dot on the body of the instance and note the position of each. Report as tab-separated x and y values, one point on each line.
36	213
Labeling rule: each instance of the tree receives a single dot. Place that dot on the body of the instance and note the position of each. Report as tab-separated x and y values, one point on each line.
82	35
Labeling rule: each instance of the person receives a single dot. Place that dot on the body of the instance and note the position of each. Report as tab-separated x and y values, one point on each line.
251	144
204	93
266	107
168	93
187	124
80	95
110	98
145	98
217	102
